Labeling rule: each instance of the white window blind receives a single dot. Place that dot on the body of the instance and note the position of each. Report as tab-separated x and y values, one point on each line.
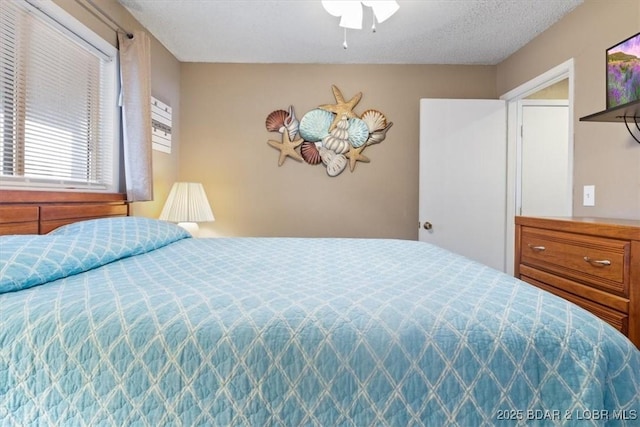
58	101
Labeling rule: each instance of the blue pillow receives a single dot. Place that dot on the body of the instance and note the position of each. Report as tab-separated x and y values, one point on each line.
151	233
31	260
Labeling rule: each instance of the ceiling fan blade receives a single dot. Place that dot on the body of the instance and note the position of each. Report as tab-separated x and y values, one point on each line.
349	11
382	9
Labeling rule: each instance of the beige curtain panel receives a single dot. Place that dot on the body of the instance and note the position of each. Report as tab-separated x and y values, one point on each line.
135	73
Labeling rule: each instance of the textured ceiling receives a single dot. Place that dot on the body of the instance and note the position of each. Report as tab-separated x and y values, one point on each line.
301	31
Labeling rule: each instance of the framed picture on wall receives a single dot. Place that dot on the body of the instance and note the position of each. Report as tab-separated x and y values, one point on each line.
623	72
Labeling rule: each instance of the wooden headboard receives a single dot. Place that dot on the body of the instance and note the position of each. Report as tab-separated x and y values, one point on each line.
38	212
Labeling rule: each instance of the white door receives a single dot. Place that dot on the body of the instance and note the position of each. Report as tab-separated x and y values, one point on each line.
463	161
545	172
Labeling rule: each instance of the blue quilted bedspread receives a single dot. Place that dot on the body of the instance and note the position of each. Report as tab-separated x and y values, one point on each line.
130	322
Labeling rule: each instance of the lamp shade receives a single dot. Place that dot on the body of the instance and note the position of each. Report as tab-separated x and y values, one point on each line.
187	202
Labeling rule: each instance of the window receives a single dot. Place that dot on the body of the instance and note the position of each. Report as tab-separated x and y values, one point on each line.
58	101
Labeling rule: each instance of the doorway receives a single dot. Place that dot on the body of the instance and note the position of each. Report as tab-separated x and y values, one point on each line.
543	173
539	87
454	202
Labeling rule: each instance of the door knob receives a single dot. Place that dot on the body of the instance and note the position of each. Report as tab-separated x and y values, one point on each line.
427	225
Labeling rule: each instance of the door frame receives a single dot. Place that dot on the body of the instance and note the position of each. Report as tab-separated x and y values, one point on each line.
554	75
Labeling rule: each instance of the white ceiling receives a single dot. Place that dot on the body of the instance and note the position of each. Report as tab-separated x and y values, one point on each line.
301	31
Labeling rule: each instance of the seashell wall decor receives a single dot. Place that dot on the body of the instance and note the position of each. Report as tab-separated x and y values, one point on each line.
275	121
338	138
331	135
310	153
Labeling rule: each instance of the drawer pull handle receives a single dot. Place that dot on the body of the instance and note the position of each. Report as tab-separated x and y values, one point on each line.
536	248
596	262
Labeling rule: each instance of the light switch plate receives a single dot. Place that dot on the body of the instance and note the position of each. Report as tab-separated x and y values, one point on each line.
589	195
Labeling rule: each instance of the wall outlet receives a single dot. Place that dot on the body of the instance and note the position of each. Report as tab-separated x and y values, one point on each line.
589	195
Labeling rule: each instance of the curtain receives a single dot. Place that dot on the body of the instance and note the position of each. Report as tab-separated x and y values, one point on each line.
135	73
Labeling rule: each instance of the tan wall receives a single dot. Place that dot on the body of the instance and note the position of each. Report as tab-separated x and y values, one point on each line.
558	90
165	85
219	136
224	145
604	153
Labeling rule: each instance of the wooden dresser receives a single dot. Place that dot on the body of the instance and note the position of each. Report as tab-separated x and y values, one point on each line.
593	262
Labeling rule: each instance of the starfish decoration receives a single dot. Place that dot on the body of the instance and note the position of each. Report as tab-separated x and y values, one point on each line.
341	107
287	147
355	155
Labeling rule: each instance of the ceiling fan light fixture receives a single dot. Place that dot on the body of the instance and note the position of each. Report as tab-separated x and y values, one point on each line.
350	11
382	10
352	19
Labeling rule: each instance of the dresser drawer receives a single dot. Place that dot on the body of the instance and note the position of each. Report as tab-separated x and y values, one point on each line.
595	261
618	320
550	253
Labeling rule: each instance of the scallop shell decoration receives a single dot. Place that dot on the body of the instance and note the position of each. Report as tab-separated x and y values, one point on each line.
275	121
338	140
335	163
326	155
331	134
310	153
314	125
279	120
374	119
358	132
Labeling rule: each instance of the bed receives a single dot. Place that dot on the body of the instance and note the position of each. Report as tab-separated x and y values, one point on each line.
131	321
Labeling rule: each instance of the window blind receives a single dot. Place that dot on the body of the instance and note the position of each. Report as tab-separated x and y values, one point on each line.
57	104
